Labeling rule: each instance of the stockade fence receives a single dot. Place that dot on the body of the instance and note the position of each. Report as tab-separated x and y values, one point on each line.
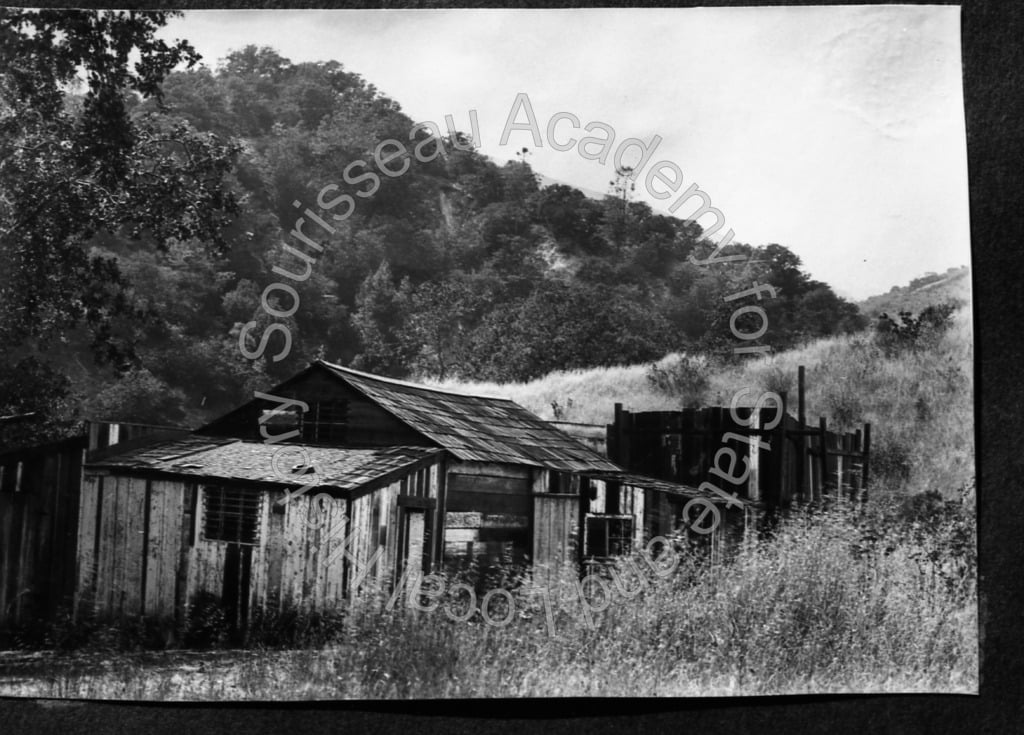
791	462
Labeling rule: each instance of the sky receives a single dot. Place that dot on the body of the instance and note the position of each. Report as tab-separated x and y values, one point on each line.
837	131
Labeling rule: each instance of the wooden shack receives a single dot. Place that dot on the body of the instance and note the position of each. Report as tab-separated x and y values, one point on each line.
514	486
244	522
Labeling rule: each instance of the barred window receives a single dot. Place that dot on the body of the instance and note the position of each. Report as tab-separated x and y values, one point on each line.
231	514
608	535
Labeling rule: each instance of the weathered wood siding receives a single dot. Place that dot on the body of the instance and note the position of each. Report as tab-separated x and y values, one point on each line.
165	508
38	514
558	518
143	549
790	463
556	528
112	544
489	509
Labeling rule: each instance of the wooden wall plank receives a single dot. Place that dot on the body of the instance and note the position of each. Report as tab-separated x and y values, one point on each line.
106	549
296	513
490	469
6	526
85	559
64	540
49	587
316	538
333	560
157	539
257	560
275	551
13	566
29	530
555	523
135	538
362	516
488	485
392	551
172	545
8	547
261	554
637	510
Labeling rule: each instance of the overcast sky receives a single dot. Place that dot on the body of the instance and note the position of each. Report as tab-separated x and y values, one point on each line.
835	131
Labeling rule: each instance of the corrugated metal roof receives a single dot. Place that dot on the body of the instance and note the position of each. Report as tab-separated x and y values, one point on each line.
476	428
234	459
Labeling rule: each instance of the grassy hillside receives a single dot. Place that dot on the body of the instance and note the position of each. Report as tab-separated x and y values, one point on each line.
919	401
934	288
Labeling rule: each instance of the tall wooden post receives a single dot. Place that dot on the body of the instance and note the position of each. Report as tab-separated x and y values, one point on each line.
801	442
822	456
866	459
612	435
856	479
782	469
619	438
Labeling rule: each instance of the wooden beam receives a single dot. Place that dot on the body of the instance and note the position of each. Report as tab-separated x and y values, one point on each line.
801	445
783	459
416	501
822	456
866	458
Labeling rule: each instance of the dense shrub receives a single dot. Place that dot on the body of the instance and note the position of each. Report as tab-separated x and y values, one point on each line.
912	331
684	378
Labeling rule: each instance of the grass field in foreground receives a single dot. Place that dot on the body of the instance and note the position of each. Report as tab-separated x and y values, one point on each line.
820	609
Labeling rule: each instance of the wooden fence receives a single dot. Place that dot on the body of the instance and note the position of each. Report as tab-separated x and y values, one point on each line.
40	489
792	462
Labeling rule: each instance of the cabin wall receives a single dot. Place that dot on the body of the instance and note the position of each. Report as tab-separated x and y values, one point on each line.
556	528
39	495
360	544
488	513
129	546
301	562
143	547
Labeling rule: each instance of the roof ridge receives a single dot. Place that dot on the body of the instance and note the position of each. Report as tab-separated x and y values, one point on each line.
408	384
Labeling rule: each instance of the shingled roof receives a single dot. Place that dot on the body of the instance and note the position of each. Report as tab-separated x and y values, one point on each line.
476	428
253	461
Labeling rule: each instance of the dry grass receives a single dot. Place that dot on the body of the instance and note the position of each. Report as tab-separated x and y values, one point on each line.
813	611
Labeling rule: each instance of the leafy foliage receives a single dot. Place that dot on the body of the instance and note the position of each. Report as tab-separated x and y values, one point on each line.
683	377
82	173
162	202
914	331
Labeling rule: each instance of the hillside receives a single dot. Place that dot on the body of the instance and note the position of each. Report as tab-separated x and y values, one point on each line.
919	401
446	265
930	289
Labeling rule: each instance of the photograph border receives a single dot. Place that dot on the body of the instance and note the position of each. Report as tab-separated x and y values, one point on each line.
993	62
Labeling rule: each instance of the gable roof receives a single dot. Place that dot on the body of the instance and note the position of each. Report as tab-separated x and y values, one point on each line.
475	428
253	461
